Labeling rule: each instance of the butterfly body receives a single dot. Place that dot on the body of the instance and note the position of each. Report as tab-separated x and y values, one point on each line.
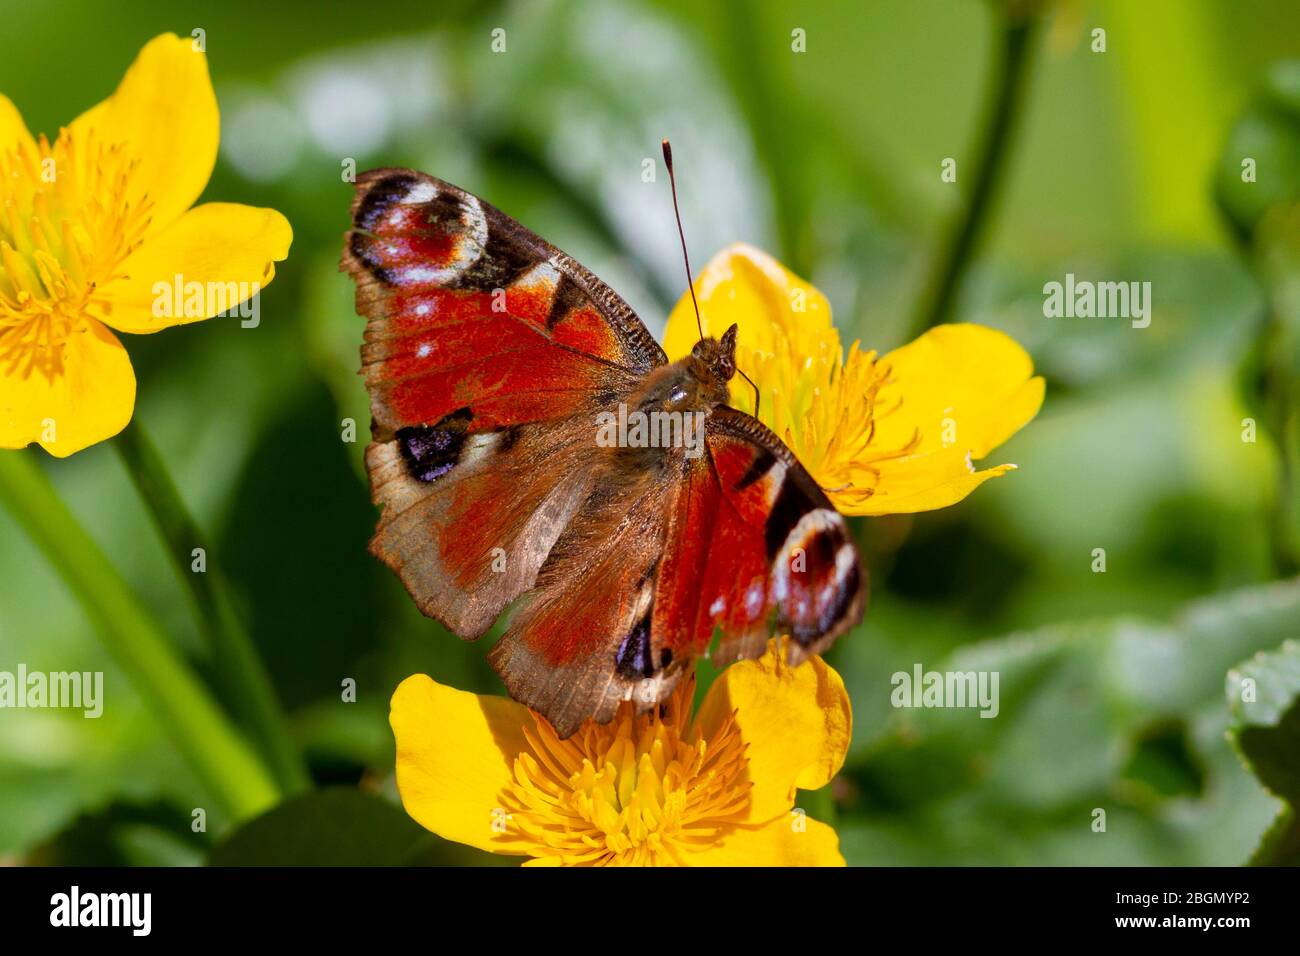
503	377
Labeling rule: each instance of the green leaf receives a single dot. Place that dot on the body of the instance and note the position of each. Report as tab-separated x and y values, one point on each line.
1122	715
1265	139
1272	140
1282	85
334	827
1264	694
125	833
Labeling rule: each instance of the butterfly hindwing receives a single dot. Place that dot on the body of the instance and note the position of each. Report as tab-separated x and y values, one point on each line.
580	643
469	533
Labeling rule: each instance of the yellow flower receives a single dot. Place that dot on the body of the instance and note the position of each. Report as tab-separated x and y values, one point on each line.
96	229
887	435
661	789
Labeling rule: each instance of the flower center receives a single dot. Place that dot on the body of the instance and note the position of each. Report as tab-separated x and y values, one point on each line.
826	410
636	791
66	225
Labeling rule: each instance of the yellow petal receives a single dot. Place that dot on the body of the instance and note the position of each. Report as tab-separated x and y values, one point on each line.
920	483
745	285
164	113
978	377
795	721
224	251
789	840
13	131
957	392
88	398
455	751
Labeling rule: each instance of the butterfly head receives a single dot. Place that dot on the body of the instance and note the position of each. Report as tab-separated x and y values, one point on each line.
717	356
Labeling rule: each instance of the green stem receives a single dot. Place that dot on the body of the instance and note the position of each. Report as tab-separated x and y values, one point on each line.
220	757
242	681
779	133
1001	118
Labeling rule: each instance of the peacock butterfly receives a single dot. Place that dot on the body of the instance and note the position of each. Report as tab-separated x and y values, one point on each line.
494	364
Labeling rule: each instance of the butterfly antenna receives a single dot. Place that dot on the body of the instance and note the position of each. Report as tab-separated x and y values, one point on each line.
751	385
690	281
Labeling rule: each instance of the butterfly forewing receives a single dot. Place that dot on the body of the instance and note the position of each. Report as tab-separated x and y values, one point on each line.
783	556
478	332
468	309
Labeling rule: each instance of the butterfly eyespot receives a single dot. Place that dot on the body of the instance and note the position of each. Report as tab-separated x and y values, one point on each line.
432	451
635	657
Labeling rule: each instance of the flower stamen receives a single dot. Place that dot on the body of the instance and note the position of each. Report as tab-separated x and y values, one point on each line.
637	791
67	224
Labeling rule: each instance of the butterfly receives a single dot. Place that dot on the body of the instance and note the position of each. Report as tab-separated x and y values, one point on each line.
493	361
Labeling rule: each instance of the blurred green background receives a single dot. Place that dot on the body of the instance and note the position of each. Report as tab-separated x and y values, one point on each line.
1125	166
